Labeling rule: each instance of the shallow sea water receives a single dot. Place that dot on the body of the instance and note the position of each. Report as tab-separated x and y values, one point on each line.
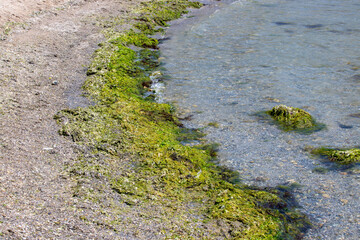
249	56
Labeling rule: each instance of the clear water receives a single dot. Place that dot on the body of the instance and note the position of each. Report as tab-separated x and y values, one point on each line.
252	55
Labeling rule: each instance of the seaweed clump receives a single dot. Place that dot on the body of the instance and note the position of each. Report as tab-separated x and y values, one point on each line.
341	156
155	14
294	119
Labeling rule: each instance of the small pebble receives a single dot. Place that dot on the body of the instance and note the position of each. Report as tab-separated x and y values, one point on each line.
326	195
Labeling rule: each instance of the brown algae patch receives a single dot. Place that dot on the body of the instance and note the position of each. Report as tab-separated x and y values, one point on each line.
131	153
341	156
294	119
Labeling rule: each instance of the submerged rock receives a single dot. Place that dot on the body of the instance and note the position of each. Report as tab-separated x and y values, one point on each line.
356	77
291	118
342	156
354	115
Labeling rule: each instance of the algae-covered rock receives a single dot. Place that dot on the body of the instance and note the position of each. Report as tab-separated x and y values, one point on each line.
291	118
342	156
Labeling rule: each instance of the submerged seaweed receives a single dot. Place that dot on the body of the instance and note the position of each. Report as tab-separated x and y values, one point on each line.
341	156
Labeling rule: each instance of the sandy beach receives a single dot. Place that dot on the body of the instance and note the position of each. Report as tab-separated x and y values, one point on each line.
45	49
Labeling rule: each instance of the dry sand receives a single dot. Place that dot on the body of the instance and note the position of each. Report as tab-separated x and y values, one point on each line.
21	10
43	57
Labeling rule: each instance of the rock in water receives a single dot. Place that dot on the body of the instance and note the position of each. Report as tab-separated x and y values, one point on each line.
291	118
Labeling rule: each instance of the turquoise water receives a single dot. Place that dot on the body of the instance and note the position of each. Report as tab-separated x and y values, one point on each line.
249	56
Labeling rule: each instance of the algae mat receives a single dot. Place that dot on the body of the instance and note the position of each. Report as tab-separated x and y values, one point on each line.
133	165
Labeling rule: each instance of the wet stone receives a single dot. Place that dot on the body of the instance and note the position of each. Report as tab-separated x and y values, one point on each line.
283	23
356	77
314	26
354	115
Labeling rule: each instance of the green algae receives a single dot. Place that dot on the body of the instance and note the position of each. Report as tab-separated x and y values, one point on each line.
294	119
190	135
214	124
341	156
133	151
156	14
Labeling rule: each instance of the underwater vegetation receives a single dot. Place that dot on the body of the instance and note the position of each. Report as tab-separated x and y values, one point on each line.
132	150
341	156
294	119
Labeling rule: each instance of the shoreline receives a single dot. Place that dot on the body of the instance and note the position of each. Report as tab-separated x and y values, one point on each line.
165	174
164	189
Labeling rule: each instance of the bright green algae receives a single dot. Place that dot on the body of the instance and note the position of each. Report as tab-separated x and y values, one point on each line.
156	14
132	147
341	156
294	119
